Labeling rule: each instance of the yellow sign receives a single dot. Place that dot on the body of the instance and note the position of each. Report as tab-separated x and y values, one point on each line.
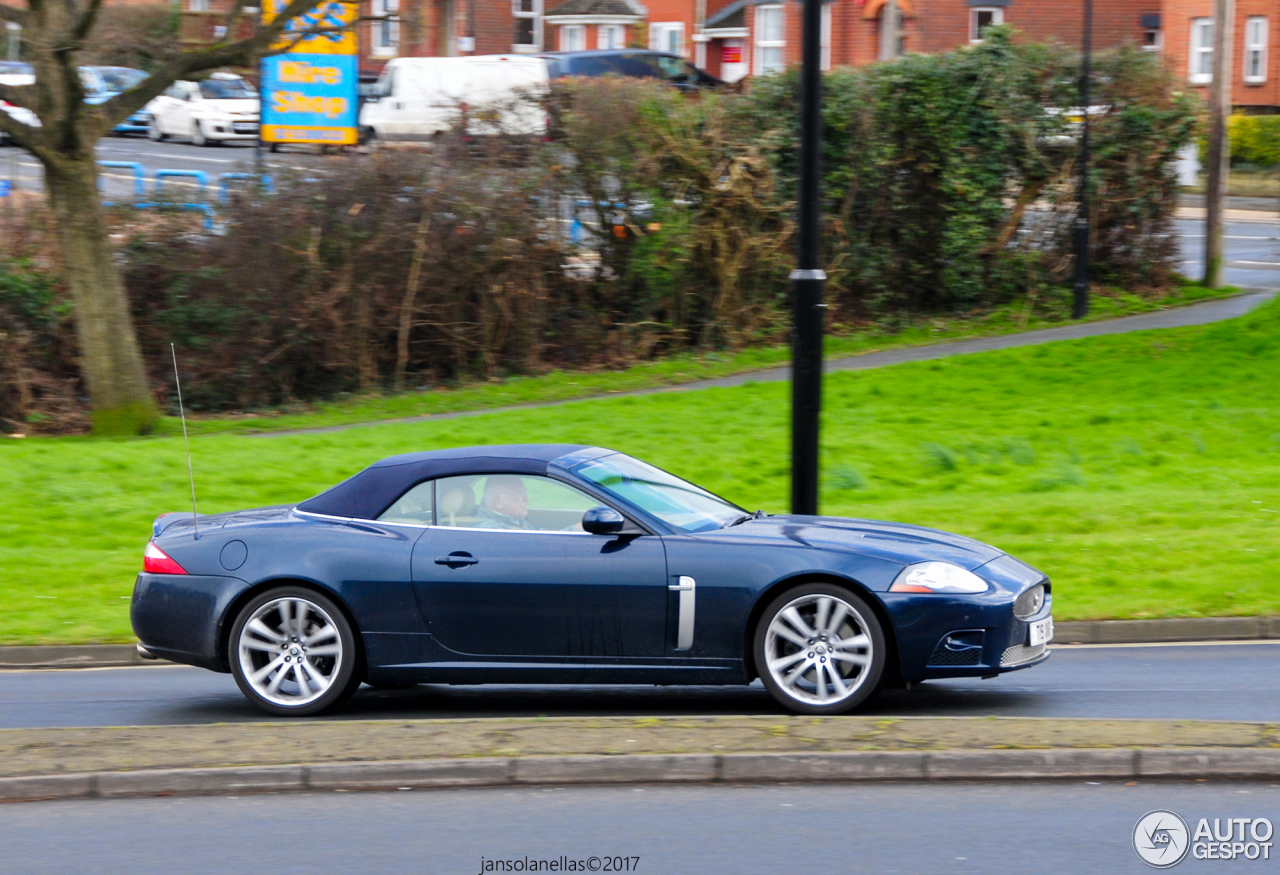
300	134
335	17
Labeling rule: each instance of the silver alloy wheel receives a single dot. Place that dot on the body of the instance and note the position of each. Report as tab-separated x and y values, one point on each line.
817	649
290	651
153	131
197	135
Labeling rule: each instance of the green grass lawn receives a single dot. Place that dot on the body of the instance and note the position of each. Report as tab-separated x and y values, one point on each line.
1141	471
1053	308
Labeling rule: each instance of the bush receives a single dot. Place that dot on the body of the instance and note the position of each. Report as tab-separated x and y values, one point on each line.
654	221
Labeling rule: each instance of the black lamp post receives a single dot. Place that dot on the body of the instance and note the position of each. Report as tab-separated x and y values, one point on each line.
808	279
1080	306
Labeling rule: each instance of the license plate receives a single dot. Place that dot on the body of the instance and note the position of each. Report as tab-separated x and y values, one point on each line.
1041	632
244	127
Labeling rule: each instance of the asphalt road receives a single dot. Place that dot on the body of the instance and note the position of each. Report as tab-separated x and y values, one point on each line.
27	174
706	830
1203	682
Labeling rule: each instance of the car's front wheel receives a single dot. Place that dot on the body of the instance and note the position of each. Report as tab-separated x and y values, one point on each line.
153	131
294	653
197	135
820	649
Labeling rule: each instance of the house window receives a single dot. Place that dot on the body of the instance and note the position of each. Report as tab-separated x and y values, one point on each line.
199	5
612	36
1201	66
386	32
771	40
824	56
573	38
527	15
982	17
1151	39
667	36
1255	49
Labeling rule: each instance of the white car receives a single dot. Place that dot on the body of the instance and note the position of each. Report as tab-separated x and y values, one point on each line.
12	73
222	107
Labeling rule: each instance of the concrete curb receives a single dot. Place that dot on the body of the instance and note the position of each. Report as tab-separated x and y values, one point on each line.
1158	631
72	656
1065	632
1183	764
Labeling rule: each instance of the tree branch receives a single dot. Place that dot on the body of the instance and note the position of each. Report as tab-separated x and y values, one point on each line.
84	23
238	53
17	94
27	137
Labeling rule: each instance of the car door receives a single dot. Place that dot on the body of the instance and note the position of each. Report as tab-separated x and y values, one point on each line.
506	571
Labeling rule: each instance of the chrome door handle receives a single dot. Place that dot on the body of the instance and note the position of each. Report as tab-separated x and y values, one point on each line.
684	629
456	560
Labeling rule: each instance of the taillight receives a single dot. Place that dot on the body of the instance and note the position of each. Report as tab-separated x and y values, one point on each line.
155	561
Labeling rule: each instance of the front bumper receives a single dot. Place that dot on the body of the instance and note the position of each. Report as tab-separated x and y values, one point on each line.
230	129
179	616
944	636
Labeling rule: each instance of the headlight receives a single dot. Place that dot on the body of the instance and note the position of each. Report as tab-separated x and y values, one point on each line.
938	577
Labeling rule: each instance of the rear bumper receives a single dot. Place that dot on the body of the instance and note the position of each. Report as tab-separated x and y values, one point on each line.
179	617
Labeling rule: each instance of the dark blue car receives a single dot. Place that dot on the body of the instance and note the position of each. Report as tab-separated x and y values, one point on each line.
573	564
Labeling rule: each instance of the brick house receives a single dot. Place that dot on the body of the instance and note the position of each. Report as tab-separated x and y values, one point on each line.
752	37
594	24
1188	47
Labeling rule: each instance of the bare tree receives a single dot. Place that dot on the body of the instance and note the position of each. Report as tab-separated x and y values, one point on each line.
58	33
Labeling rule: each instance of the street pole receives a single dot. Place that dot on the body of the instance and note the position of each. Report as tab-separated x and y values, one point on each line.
1080	306
1219	159
808	279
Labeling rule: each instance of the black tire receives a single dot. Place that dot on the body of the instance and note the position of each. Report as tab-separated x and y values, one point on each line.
154	134
245	653
813	664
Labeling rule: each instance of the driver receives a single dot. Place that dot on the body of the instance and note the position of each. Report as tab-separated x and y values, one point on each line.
505	504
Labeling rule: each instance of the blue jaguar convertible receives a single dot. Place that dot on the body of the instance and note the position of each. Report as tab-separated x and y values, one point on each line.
560	564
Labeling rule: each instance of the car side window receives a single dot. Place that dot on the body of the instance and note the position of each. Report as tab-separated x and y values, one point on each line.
674	69
415	507
512	502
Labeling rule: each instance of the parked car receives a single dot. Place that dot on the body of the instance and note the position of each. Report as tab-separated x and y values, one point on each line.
103	83
222	108
17	73
632	64
419	97
572	564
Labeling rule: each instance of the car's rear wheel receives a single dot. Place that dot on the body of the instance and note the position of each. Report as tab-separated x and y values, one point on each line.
294	653
820	649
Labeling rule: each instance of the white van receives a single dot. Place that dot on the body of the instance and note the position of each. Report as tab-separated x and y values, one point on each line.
416	98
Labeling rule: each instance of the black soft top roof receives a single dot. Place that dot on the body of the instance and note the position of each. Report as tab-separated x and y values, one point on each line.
369	493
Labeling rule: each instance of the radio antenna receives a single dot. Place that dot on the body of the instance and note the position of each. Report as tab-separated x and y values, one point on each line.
182	413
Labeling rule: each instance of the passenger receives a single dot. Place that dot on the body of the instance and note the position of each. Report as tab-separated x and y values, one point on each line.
505	504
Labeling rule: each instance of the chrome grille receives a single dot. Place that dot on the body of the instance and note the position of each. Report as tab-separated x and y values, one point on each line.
1029	603
1019	654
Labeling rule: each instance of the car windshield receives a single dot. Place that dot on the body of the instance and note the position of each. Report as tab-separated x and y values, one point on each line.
676	502
120	78
226	89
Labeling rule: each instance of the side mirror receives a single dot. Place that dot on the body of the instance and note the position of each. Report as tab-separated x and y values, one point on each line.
603	521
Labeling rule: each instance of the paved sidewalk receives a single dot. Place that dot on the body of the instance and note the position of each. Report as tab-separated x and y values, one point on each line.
1175	317
309	756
